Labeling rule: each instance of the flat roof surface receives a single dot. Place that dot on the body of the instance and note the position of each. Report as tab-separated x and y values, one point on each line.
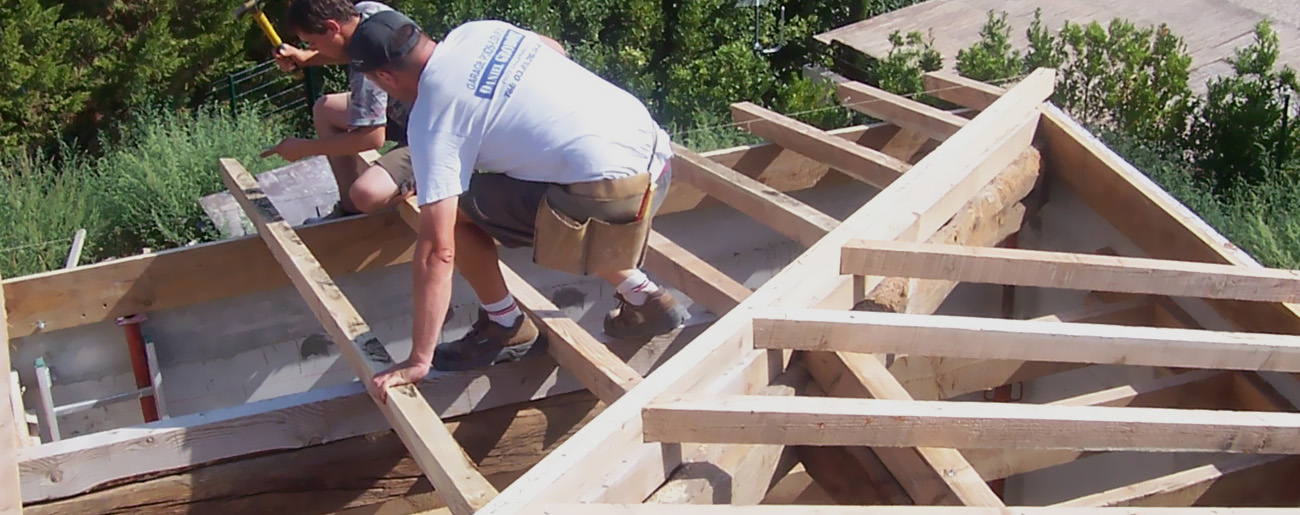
1212	29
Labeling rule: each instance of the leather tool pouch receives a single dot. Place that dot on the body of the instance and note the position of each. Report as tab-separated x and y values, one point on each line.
588	247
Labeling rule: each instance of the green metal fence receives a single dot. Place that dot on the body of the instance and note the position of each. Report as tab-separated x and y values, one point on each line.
265	82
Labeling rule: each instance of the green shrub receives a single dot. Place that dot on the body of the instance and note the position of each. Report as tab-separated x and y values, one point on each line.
1247	127
142	192
903	69
992	58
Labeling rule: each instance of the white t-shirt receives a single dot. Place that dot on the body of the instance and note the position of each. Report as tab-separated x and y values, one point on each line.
494	97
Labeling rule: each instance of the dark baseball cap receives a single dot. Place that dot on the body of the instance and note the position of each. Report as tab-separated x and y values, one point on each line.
372	43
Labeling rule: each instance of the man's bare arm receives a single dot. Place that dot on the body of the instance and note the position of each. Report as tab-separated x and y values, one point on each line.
435	255
553	44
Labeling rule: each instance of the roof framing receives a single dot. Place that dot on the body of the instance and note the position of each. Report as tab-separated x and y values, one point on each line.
787	365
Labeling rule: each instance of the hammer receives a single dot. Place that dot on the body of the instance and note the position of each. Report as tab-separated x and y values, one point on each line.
255	7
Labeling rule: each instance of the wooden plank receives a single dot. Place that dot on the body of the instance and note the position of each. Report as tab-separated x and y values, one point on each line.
935	189
965	425
865	164
440	457
1025	267
733	474
698	279
1138	208
173	278
898	110
373	472
1238	480
1199	389
781	212
79	464
11	499
651	509
573	347
1030	340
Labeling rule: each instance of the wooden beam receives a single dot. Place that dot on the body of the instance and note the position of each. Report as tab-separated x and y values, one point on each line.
698	279
591	362
1252	480
966	425
901	111
1024	267
374	471
776	509
439	456
11	499
1030	340
76	465
865	164
733	474
916	205
1137	207
1200	389
781	212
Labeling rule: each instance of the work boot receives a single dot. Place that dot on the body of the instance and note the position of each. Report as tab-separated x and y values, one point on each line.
660	314
336	213
488	343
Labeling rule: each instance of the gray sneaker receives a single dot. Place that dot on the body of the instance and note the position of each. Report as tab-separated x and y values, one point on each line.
334	214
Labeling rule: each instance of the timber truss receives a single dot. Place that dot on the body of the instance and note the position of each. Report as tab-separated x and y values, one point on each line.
796	370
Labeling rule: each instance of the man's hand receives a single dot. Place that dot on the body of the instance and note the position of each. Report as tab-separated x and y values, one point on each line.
291	149
406	372
289	58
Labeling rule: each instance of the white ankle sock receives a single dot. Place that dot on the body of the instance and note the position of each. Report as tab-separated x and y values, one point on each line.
504	312
637	287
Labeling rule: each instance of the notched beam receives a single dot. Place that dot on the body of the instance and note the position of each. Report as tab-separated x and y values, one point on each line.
865	164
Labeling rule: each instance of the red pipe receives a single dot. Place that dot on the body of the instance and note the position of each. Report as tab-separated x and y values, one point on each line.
139	363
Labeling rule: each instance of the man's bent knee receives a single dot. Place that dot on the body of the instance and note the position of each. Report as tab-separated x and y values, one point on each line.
374	190
331	111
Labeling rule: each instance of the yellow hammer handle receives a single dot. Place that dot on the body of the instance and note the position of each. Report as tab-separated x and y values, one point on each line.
267	28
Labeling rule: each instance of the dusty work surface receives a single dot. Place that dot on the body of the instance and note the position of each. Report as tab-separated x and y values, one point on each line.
1212	29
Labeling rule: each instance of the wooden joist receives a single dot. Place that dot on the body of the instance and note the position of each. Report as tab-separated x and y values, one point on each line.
1023	267
966	425
781	212
440	457
865	164
901	111
1031	340
698	279
11	499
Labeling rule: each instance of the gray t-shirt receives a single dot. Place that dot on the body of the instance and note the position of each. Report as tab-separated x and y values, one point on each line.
369	104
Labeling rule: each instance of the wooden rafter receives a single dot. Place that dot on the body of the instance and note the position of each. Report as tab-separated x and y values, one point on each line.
918	204
439	455
966	425
1023	267
1032	340
901	111
781	212
866	164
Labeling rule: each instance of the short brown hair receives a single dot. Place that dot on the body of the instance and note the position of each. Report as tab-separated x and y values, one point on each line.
310	15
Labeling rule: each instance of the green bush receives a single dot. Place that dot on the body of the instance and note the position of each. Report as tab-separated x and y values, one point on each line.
142	192
1247	128
992	58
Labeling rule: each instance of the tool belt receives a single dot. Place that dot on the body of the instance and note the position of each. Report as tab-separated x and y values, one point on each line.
594	227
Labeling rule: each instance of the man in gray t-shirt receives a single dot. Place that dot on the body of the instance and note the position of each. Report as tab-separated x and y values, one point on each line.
347	123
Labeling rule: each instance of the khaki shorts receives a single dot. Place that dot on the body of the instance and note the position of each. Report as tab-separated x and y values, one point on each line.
509	210
398	164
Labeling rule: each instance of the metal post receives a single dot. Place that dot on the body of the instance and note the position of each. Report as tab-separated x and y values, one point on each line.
230	84
46	418
309	86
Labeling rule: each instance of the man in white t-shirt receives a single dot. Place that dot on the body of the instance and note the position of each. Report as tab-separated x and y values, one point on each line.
571	165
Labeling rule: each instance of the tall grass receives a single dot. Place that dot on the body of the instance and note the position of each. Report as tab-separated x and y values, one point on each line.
1259	217
141	192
